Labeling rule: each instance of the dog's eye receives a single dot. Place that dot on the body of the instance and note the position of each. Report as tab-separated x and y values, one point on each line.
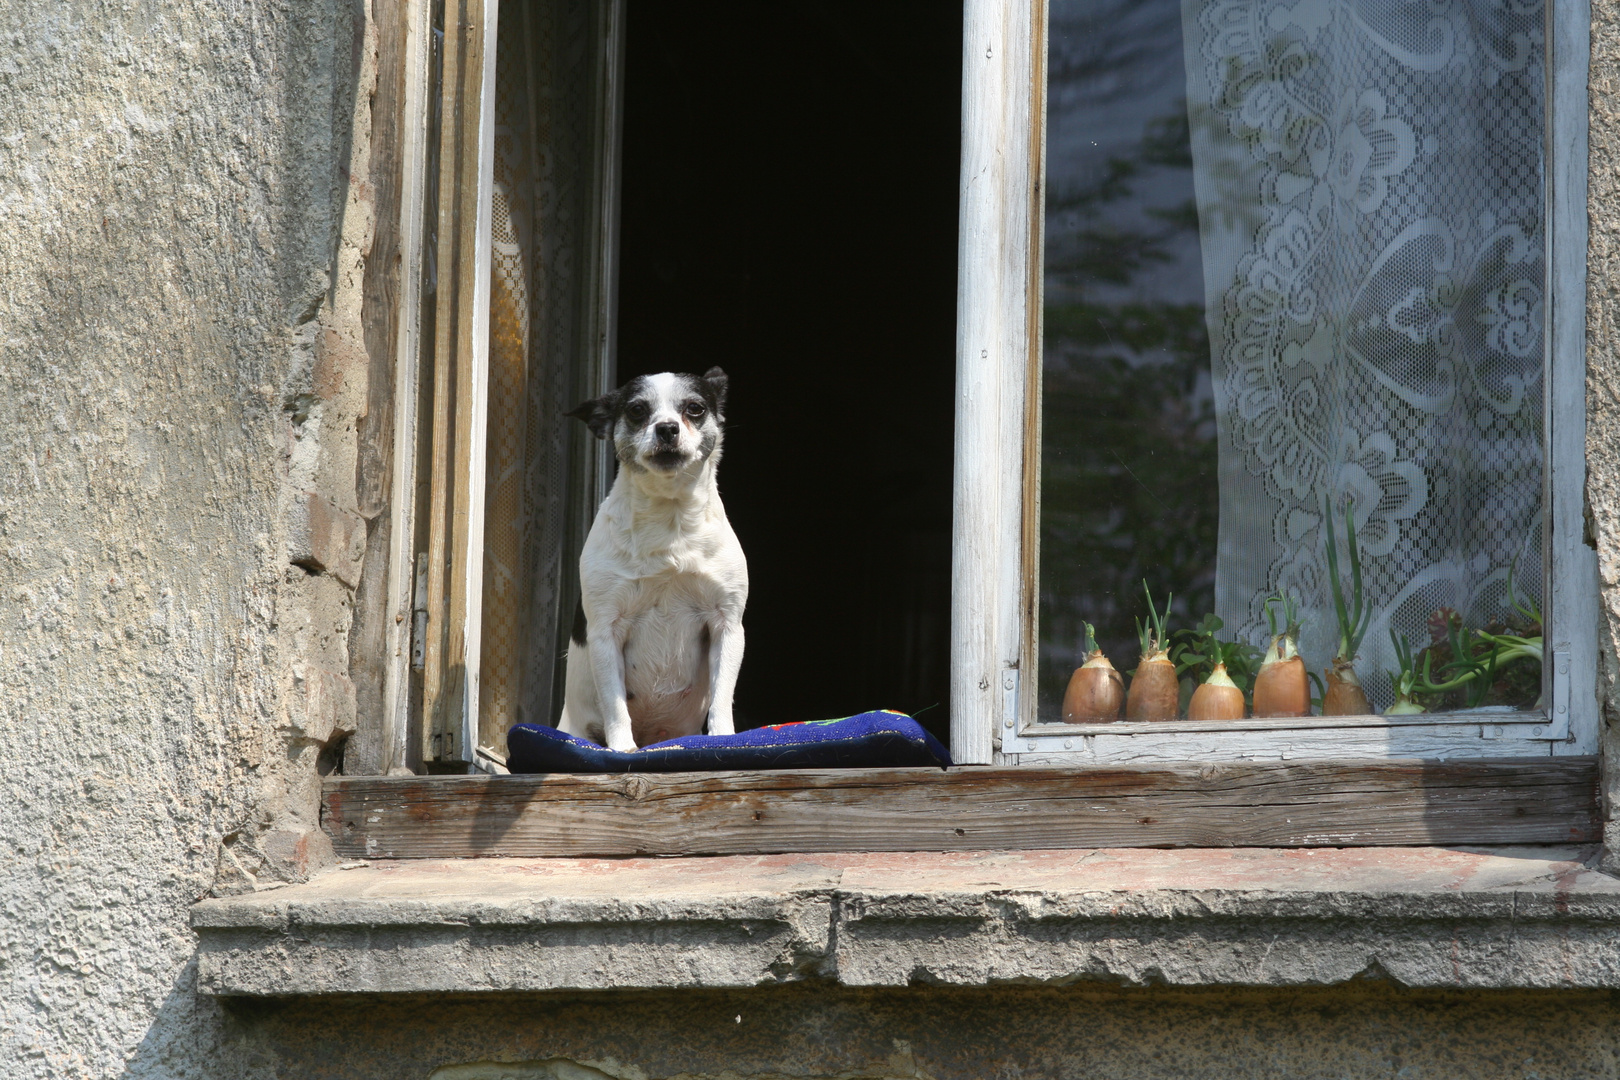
636	412
695	410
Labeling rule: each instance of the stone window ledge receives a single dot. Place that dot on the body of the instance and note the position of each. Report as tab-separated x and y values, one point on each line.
1432	917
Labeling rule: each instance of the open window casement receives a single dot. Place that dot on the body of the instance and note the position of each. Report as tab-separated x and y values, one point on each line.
455	383
508	208
1355	237
1425	353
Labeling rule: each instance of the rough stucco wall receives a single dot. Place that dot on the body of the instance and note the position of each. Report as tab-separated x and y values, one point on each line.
1368	1031
1603	380
177	243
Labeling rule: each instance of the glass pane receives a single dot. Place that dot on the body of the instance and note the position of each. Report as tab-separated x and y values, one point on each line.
1293	261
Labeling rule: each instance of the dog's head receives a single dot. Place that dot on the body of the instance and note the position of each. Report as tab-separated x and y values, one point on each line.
664	423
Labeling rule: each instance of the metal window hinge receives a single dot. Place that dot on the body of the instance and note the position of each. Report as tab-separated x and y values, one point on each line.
1559	701
419	615
444	746
1009	703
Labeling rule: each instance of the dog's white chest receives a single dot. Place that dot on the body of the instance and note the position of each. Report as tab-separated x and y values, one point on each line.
666	658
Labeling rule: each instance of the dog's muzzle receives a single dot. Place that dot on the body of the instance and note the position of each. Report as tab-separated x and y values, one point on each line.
666	460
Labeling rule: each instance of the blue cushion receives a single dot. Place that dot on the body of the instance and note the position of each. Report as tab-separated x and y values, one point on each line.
871	739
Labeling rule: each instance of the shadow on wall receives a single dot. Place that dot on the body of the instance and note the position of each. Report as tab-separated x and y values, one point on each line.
1367	1029
189	1036
555	1069
900	1067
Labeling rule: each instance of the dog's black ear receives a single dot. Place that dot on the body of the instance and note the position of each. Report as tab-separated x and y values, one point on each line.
716	382
598	413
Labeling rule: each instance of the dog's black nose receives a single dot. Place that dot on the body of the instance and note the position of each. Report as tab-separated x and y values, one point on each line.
666	432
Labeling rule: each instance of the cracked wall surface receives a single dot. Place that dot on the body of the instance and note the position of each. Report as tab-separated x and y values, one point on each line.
1603	379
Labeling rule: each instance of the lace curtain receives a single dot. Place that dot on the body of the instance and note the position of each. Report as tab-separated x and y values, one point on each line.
1370	202
533	516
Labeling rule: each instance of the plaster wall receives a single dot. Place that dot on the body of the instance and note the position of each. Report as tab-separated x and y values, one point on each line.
1603	380
184	221
178	239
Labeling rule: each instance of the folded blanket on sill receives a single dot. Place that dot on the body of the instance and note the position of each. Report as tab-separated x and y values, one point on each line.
872	739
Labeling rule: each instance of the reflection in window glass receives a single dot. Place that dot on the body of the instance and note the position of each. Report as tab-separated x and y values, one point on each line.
1292	275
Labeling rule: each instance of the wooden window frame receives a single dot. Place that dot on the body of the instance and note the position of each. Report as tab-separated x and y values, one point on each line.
1170	786
435	571
404	622
435	566
997	504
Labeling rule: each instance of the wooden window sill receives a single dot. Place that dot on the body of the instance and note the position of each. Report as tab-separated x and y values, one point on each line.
1307	804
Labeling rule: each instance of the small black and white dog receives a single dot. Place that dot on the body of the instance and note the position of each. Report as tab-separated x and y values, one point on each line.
663	580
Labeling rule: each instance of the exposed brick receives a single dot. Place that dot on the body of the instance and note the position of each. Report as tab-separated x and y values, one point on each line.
327	708
324	538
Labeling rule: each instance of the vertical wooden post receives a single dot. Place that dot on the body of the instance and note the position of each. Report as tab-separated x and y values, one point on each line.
413	85
460	361
601	361
1571	602
987	596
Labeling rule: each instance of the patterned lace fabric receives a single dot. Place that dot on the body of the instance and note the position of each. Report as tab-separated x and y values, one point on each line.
512	233
1369	181
534	511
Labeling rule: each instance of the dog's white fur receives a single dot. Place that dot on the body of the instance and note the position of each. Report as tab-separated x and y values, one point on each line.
663	580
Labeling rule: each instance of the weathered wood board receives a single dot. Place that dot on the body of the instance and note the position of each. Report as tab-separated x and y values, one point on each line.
1309	804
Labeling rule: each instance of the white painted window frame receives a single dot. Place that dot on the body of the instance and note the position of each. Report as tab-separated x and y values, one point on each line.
996	509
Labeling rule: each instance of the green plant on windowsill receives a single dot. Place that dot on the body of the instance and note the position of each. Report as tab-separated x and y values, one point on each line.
1463	668
1199	651
1343	695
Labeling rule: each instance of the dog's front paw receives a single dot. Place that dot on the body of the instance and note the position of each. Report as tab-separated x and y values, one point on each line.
720	724
620	732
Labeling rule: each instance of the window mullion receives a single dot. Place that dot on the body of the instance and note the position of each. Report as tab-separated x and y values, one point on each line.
460	350
1572	609
992	346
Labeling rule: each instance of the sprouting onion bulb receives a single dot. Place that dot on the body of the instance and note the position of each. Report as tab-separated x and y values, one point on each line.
1343	695
1405	680
1096	691
1218	699
1281	688
1155	690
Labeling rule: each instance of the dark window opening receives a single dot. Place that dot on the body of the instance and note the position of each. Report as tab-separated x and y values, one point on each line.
789	212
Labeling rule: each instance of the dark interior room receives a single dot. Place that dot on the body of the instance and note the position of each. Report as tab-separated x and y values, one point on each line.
789	213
